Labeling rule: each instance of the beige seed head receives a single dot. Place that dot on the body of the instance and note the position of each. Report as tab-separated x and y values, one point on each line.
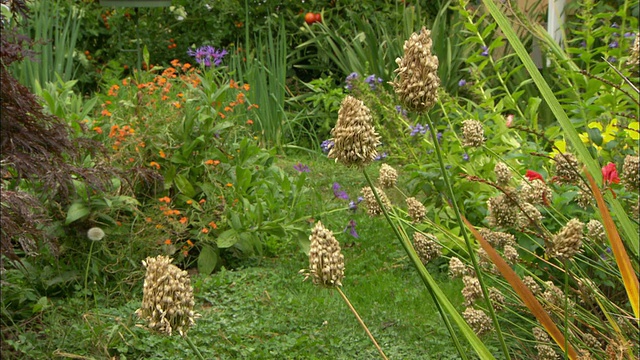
373	208
529	217
502	211
595	231
456	268
630	173
426	246
535	192
567	242
326	262
471	290
497	299
95	234
503	174
355	139
416	210
479	322
417	81
388	176
634	54
472	133
167	303
531	283
567	168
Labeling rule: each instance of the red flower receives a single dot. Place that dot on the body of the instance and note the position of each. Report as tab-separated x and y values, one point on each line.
532	175
610	174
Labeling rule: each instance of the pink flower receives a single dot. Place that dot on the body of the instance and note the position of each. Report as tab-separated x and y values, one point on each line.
610	174
509	120
532	175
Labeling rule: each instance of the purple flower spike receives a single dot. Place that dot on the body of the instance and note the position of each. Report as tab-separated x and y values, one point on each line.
207	55
340	194
300	167
462	82
327	145
614	44
485	51
352	229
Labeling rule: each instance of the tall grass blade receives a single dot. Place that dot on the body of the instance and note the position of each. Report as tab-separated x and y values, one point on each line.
622	259
523	292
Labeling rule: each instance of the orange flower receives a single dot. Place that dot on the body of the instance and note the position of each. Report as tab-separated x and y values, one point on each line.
246	87
205	231
185	253
227	108
155	164
190	242
208	162
186	66
175	63
213	225
221	115
118	223
162	154
164	98
159	226
98	129
114	130
148	219
216	162
249	122
189	202
105	112
229	185
167	242
113	91
108	102
233	84
183	220
177	105
131	159
252	106
180	95
125	82
202	201
165	199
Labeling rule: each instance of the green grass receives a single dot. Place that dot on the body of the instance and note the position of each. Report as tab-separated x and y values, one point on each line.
264	310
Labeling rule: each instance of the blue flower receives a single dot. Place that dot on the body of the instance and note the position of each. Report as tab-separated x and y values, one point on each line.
327	145
349	79
380	156
629	35
352	229
353	205
372	80
612	59
418	129
339	193
401	111
439	136
462	82
206	55
300	167
485	51
465	157
614	44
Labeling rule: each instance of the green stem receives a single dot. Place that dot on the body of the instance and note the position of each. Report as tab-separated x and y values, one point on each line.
366	329
474	261
424	275
566	309
86	276
193	347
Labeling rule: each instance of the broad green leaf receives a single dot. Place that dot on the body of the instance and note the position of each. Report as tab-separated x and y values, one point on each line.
227	239
184	186
207	260
77	211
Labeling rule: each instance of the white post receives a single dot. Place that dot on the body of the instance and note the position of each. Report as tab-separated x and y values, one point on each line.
555	19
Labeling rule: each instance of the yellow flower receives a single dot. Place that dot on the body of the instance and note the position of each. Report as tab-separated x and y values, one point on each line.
633	130
559	147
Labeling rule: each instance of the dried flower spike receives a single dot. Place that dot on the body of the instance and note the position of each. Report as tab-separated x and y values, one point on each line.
479	322
417	80
631	173
567	168
634	54
373	208
416	210
354	137
472	133
503	174
388	176
326	262
426	246
567	242
167	303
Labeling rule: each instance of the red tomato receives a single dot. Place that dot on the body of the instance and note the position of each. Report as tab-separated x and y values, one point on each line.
310	18
317	17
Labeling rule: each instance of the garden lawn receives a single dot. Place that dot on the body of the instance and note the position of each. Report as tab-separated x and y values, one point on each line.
264	310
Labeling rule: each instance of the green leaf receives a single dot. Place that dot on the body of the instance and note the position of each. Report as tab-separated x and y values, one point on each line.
77	211
41	305
184	186
207	260
227	239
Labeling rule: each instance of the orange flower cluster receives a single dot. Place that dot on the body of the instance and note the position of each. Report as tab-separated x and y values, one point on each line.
113	91
212	162
120	134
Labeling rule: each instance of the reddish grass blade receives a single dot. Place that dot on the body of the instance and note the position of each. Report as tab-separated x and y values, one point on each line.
622	258
523	291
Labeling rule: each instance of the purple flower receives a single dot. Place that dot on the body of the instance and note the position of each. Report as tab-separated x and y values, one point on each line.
327	145
380	156
349	79
439	136
462	82
615	25
352	229
485	51
372	80
339	193
206	55
353	205
401	111
612	59
629	35
465	157
614	44
583	44
418	129
300	167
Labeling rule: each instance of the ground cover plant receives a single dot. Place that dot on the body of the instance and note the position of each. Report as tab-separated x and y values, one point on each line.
418	199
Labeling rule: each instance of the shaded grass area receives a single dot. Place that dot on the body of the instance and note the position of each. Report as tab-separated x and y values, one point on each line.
263	310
